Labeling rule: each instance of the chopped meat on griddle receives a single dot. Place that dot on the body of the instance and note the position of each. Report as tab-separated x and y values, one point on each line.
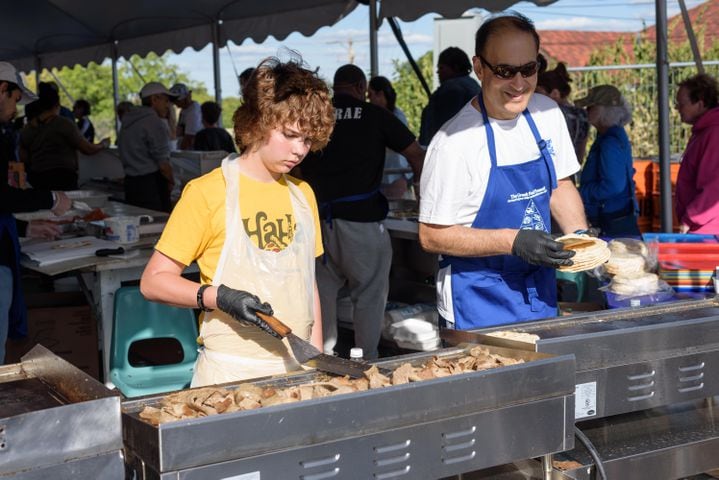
206	401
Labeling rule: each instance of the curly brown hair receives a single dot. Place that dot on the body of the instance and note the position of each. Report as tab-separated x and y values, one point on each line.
284	93
702	87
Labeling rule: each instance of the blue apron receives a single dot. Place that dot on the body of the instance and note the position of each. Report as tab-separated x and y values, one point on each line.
18	313
501	289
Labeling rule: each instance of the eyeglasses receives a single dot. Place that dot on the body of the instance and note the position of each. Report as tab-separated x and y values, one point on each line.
506	72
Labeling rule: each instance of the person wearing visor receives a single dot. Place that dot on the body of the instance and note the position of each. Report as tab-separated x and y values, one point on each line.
606	183
494	177
253	230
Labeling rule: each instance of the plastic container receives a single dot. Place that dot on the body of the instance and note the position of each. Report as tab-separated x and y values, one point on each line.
679	238
637	301
415	334
689	261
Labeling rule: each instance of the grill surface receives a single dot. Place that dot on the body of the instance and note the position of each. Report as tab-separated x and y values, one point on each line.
429	429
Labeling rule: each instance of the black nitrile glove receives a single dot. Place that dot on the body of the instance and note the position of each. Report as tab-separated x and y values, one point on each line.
243	307
538	248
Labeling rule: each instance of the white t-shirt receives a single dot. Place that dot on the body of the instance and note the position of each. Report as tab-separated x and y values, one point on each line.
190	121
457	165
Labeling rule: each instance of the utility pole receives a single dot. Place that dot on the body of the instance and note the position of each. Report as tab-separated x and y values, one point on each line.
349	43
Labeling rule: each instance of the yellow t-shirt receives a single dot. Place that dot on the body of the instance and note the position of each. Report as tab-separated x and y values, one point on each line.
196	228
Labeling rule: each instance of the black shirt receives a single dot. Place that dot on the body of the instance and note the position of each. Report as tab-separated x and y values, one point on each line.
210	139
353	161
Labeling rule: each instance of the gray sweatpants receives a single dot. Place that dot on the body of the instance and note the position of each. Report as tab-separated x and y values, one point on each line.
358	255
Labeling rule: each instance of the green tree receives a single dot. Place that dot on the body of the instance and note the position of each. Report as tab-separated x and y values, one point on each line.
639	86
229	105
94	84
411	97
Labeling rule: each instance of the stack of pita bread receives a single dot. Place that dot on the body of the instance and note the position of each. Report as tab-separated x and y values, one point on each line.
590	252
628	266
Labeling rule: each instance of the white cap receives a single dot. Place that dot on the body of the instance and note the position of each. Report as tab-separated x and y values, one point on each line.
356	352
180	90
8	73
155	88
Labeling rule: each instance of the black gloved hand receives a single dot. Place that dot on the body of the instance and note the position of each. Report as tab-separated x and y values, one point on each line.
243	307
538	248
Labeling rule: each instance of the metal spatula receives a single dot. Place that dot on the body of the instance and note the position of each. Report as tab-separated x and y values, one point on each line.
306	354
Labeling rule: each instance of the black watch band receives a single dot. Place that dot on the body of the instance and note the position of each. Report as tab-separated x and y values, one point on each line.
200	302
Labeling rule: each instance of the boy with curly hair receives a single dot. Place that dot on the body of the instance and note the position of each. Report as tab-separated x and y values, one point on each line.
253	230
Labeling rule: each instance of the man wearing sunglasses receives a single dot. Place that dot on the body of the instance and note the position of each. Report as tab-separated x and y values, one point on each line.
494	176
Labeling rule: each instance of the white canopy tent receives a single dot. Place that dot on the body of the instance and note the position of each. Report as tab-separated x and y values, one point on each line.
40	34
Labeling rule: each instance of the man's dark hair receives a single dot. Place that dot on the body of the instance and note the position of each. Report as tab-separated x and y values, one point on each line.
84	106
11	87
381	84
210	112
348	75
504	21
557	78
48	98
702	87
456	59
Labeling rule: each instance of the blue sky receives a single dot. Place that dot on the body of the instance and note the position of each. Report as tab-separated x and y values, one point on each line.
331	47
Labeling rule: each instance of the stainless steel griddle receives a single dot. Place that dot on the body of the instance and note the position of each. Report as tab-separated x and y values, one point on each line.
57	422
423	430
647	380
632	359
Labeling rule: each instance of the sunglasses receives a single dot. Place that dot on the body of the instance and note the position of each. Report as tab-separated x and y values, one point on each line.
506	72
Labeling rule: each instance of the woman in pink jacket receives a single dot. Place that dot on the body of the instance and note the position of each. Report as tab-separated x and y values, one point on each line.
697	196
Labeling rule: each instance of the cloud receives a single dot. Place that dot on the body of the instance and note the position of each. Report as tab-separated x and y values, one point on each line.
388	39
584	23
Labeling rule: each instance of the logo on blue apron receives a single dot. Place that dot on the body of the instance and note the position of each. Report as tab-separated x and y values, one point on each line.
532	219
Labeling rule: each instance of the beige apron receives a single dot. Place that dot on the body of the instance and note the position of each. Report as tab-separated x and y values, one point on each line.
233	351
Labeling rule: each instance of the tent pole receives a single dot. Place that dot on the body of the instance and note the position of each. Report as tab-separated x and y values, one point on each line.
692	38
216	26
374	64
38	70
115	88
665	186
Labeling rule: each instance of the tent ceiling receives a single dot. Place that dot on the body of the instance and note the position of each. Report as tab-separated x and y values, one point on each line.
59	33
409	11
68	32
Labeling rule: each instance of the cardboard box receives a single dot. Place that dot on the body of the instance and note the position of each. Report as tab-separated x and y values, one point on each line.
68	331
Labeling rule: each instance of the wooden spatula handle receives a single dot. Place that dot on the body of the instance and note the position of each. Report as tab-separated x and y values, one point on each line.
275	324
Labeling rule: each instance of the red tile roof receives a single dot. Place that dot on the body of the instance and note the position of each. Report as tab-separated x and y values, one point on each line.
704	18
574	47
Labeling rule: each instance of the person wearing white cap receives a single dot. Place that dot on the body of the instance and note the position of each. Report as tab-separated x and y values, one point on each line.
144	150
13	317
190	121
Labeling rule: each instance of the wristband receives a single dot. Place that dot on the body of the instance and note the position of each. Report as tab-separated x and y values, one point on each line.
200	301
583	231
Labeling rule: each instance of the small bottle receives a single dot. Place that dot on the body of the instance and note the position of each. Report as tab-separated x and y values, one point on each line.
356	354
